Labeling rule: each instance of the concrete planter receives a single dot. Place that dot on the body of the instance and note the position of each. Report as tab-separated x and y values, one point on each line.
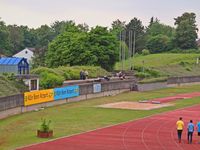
43	134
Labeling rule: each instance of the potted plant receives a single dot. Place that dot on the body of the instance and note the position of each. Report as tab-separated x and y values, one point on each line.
44	131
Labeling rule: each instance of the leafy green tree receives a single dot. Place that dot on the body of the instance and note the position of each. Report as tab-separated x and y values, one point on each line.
117	27
30	39
104	45
186	31
16	38
157	28
46	35
136	26
5	43
159	37
75	47
83	27
59	27
158	43
43	36
67	49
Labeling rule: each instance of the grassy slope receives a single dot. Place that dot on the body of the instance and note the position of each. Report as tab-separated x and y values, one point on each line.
82	116
7	88
168	64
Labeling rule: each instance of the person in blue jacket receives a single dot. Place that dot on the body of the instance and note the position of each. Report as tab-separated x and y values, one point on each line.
190	128
198	130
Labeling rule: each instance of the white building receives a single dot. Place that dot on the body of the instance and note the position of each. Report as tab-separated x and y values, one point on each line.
26	53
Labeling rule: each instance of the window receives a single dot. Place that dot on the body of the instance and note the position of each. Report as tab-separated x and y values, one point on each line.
33	84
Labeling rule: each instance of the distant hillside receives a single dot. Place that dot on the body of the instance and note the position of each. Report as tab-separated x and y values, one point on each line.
10	87
165	64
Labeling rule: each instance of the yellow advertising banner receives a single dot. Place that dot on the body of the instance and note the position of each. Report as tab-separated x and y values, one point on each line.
37	97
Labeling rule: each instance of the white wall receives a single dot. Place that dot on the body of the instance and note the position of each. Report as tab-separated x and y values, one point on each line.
26	53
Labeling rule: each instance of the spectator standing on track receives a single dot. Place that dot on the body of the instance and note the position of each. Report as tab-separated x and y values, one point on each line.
180	125
190	128
198	130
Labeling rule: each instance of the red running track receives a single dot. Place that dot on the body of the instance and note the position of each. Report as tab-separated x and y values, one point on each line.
152	133
176	97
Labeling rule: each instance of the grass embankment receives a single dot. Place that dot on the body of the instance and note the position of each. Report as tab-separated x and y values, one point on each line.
83	116
10	87
158	65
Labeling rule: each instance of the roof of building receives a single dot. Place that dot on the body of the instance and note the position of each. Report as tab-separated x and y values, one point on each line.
31	49
10	60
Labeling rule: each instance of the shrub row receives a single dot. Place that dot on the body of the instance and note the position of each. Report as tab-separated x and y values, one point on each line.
54	77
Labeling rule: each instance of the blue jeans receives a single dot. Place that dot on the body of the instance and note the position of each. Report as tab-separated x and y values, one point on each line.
179	134
190	137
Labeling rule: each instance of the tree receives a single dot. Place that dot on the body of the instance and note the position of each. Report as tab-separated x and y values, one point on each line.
104	45
16	38
59	27
76	47
118	26
136	26
159	37
5	44
158	43
157	28
83	27
152	21
43	36
30	39
186	31
68	49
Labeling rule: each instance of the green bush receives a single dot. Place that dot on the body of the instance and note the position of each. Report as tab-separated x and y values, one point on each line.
188	69
145	52
53	77
50	80
183	63
142	75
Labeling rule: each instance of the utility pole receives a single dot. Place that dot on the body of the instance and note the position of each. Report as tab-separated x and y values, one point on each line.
131	48
133	52
120	48
123	48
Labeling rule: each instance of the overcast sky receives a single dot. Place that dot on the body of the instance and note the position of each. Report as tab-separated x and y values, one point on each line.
34	13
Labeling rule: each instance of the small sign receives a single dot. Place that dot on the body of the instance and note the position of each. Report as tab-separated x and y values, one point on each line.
96	88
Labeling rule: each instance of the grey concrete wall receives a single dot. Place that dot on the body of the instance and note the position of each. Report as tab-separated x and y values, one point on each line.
109	88
151	86
22	109
181	80
11	102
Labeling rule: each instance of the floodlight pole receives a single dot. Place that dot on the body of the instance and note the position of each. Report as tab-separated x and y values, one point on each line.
120	47
133	52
